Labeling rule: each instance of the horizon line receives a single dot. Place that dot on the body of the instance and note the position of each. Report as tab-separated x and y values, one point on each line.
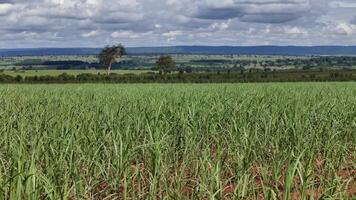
183	46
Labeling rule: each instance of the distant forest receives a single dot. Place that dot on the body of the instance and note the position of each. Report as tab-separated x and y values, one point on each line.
206	65
243	50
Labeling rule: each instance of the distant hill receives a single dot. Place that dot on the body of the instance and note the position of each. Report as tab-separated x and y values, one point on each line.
246	50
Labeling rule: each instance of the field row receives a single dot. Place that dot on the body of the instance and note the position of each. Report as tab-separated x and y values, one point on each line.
228	141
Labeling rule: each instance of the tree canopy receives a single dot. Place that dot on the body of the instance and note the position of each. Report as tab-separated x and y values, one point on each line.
110	54
165	64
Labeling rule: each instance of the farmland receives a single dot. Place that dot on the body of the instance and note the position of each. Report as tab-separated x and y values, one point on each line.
188	68
137	61
197	63
175	141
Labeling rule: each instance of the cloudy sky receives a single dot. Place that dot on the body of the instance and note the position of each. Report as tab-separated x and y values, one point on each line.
96	23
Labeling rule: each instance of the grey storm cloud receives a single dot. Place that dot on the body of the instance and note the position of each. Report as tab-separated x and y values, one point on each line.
353	21
34	23
267	11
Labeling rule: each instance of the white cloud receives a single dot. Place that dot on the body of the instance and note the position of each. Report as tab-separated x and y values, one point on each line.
91	34
5	8
295	30
220	25
130	34
345	28
172	35
159	22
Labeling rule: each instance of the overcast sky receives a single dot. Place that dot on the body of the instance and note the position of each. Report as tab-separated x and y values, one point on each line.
96	23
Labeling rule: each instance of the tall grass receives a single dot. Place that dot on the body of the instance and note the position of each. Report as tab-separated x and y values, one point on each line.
251	141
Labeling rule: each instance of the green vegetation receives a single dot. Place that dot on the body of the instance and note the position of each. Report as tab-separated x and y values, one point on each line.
165	64
54	72
196	63
109	55
186	76
226	141
180	68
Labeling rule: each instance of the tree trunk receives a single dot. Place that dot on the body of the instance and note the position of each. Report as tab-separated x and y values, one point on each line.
109	69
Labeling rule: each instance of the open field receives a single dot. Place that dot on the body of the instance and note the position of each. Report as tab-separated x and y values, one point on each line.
195	62
172	141
140	62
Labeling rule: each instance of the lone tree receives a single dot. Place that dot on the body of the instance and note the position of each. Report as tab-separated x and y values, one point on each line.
110	54
165	64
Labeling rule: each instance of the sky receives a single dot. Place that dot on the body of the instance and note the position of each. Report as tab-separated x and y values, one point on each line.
135	23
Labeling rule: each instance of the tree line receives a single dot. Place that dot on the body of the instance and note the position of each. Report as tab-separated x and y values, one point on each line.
182	77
